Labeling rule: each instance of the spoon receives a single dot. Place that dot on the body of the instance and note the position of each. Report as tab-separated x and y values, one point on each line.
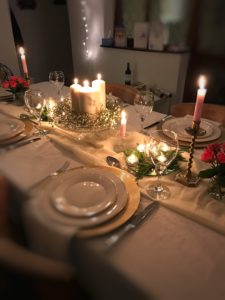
112	161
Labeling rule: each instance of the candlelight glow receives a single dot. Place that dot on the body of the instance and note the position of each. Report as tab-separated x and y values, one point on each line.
86	83
202	82
123	114
132	159
99	76
141	148
161	158
75	81
21	51
164	147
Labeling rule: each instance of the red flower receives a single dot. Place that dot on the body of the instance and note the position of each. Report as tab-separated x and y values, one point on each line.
214	147
25	83
5	84
208	155
221	157
13	84
20	79
223	147
12	78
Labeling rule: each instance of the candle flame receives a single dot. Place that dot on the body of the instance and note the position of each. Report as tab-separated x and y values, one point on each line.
86	83
202	82
21	50
99	76
75	81
123	114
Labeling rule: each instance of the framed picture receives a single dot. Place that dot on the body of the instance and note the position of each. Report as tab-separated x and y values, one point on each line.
120	37
157	36
141	35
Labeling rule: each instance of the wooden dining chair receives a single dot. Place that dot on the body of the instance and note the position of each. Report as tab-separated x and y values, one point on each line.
212	112
5	73
38	274
125	92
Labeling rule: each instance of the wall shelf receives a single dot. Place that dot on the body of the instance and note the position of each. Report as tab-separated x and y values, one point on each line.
148	50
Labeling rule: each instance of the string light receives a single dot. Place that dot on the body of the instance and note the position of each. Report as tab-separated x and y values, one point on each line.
84	18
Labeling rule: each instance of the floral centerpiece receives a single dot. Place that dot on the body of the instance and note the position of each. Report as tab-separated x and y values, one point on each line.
140	164
16	85
214	154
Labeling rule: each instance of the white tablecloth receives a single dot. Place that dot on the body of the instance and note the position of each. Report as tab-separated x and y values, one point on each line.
169	256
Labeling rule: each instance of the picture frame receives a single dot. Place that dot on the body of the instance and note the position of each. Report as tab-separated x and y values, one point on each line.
120	37
141	35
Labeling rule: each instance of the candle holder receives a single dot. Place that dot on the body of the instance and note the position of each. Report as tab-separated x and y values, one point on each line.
187	177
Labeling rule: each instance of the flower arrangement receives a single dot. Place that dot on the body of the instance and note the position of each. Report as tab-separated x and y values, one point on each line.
140	164
215	155
15	84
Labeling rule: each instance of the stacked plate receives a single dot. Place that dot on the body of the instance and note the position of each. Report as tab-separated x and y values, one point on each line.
179	125
11	130
95	200
5	95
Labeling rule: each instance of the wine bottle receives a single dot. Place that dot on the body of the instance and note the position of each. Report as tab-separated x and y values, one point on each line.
128	75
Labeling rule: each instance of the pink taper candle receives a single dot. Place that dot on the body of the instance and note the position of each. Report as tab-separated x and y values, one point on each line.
123	124
23	60
200	99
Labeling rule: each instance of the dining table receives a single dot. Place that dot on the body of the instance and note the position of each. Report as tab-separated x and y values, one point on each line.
175	253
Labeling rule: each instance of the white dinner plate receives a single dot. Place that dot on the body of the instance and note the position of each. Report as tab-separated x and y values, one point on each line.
5	95
44	200
84	194
10	127
179	126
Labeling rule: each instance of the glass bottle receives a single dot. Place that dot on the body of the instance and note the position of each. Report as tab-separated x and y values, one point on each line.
128	75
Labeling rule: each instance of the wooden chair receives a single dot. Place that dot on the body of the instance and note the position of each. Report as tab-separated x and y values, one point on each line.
124	92
212	112
5	73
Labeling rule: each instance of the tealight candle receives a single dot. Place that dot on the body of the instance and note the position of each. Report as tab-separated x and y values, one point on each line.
141	148
75	96
99	84
132	159
123	124
200	99
23	60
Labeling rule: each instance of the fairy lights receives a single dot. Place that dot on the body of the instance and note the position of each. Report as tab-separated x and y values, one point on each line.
84	18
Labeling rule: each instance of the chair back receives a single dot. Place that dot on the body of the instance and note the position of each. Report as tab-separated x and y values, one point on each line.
5	73
125	92
212	112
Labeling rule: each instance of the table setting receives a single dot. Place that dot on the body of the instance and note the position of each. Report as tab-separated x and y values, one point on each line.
76	190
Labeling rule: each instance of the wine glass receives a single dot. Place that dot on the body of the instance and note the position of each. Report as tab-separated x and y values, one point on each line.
34	100
143	104
162	147
56	78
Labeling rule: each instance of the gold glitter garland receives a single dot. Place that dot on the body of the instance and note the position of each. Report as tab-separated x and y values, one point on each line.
64	117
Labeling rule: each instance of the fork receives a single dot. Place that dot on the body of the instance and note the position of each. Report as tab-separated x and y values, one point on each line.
52	174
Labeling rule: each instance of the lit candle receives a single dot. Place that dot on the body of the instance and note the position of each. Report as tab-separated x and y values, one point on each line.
75	96
141	148
123	124
100	85
89	99
23	60
132	159
51	104
200	99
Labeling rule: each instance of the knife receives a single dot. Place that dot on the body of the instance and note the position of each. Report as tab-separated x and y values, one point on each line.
157	122
23	142
135	221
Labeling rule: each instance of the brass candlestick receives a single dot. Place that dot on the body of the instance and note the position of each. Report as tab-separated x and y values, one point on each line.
186	177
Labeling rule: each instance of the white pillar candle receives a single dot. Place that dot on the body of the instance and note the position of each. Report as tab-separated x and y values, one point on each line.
23	60
100	85
89	99
75	96
123	124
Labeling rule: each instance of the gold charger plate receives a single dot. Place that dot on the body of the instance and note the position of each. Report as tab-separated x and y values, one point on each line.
126	214
198	144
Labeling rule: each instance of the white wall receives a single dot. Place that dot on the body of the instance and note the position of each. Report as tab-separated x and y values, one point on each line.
164	70
8	55
45	31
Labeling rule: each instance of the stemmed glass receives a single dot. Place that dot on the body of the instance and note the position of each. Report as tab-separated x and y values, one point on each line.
34	100
162	147
143	104
56	78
